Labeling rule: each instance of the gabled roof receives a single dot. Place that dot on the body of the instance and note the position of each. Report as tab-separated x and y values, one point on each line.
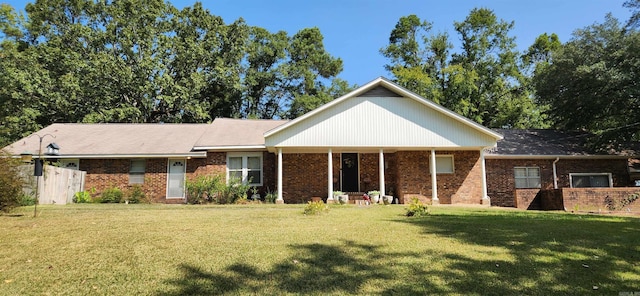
381	114
546	143
108	140
227	133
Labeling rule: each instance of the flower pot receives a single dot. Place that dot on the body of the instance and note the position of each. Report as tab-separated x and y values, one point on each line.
343	198
387	199
375	198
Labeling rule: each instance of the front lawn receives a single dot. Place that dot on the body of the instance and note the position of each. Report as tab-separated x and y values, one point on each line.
267	249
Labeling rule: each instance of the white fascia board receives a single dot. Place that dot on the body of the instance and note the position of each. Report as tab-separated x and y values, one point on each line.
100	156
525	156
231	148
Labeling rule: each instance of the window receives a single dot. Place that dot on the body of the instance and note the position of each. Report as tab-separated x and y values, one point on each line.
70	163
136	172
245	166
527	177
444	164
579	180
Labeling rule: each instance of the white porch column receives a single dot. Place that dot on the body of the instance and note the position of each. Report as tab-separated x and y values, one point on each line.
279	199
434	181
382	189
330	176
485	195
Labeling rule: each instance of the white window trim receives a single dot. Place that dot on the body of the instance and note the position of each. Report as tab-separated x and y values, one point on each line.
590	174
65	162
527	176
245	169
137	173
453	164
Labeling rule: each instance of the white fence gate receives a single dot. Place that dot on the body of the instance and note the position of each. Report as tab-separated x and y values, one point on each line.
56	186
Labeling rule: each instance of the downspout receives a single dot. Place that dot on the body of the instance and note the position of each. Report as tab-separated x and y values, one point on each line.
555	174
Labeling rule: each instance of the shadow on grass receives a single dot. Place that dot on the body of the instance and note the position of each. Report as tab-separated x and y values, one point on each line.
548	253
503	254
315	269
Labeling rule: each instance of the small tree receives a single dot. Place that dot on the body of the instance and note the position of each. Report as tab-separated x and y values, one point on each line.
10	183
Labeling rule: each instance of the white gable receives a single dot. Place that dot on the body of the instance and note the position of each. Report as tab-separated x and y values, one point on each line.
407	122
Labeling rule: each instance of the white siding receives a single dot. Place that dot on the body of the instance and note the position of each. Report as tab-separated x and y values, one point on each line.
380	122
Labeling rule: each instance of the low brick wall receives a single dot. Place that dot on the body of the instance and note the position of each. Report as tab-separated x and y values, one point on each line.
599	199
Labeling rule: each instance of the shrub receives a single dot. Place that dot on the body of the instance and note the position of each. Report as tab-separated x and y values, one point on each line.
233	191
10	183
270	197
136	195
416	208
315	208
204	189
82	197
111	195
26	200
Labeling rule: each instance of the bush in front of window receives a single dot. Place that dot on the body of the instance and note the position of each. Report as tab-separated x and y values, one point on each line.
204	189
111	195
136	195
214	189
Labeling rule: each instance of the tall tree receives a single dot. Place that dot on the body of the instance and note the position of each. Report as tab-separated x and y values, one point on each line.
483	81
146	61
592	82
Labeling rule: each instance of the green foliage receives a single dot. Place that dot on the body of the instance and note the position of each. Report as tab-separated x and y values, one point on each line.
11	183
204	189
234	191
315	208
270	197
591	83
111	195
484	81
82	197
214	189
148	61
416	208
136	195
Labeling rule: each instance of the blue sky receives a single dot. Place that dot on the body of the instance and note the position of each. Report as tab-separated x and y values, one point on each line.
355	30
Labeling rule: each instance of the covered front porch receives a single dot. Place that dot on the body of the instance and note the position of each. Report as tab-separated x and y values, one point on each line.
382	137
457	177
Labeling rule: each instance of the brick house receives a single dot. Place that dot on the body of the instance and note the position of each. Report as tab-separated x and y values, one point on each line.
378	137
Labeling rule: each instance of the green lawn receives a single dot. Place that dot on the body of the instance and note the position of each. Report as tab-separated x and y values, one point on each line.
259	249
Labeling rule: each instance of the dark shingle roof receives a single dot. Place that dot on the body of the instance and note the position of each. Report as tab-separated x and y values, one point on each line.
542	142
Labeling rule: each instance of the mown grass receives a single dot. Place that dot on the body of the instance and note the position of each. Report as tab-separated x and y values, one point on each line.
257	249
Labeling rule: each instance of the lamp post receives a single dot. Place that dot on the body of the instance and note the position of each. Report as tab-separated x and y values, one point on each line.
39	164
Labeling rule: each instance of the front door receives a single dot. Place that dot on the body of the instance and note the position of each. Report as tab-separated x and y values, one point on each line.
350	172
175	180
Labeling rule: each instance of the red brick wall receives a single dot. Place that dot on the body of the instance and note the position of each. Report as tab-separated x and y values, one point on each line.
106	173
304	176
501	181
597	199
463	186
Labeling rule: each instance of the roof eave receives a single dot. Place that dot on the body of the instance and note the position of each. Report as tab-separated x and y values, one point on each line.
530	156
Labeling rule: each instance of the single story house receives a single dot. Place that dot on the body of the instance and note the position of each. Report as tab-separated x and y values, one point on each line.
378	137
